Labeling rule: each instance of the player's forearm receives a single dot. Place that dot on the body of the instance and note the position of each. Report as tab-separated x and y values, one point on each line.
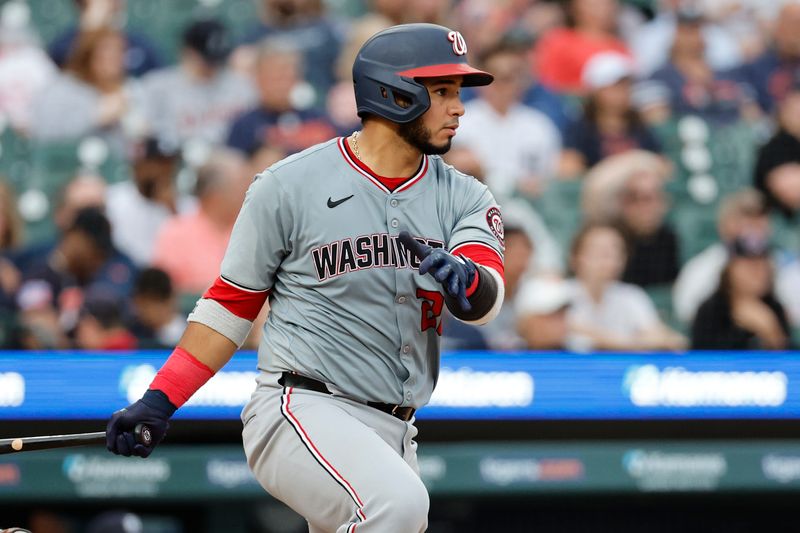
200	353
485	299
207	345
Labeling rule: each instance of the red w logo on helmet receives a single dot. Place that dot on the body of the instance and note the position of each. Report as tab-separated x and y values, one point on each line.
459	44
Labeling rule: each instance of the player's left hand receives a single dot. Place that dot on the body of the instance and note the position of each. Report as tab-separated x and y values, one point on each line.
151	410
454	273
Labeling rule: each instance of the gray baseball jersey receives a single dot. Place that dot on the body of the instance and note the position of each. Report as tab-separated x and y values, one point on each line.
347	306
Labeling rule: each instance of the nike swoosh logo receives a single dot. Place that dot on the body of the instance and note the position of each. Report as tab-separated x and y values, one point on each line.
332	203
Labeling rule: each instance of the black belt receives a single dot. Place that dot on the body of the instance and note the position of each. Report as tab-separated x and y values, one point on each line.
289	379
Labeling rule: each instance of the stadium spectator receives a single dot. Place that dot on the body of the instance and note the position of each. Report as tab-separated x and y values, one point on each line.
391	12
787	282
548	258
747	22
340	102
695	86
11	227
743	313
516	146
534	94
654	251
777	172
541	308
774	72
483	21
141	55
605	313
203	235
652	100
155	321
137	208
198	97
84	258
82	191
430	11
10	276
502	333
25	68
101	323
628	190
650	43
742	214
303	23
561	53
279	121
91	96
610	124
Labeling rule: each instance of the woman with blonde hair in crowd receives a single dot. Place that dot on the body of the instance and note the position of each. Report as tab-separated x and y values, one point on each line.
605	313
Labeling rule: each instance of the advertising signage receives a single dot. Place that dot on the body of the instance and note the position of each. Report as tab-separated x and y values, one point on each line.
471	385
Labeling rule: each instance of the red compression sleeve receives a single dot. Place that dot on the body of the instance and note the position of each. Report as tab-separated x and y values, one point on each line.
480	254
181	376
474	285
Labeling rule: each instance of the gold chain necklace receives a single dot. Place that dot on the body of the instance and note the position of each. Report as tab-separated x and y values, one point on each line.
355	145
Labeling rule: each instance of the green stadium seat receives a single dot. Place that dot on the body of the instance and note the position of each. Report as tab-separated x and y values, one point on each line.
785	234
164	22
696	226
51	165
661	295
560	207
14	158
52	17
732	150
186	302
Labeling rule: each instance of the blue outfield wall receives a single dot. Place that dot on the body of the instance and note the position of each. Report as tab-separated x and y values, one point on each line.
472	385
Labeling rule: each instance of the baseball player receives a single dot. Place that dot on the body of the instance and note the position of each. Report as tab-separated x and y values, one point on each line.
359	243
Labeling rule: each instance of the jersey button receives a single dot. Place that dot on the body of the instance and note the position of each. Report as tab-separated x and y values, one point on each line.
408	396
401	299
406	348
395	223
393	203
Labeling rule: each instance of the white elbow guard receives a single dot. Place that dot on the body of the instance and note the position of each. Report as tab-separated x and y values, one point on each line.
214	315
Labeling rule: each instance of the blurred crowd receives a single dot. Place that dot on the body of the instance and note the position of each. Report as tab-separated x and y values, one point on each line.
645	153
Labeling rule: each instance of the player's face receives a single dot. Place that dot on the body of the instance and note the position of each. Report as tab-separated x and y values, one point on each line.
433	132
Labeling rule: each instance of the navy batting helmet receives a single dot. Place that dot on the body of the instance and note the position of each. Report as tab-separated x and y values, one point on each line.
391	61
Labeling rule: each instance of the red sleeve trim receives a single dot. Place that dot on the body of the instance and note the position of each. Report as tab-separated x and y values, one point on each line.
181	376
481	254
242	302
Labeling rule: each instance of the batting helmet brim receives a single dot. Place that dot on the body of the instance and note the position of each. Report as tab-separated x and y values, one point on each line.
472	76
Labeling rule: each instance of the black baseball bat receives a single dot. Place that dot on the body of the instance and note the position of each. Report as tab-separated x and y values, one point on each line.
141	433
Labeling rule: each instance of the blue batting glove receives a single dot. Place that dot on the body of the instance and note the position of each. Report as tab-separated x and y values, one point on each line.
153	410
455	274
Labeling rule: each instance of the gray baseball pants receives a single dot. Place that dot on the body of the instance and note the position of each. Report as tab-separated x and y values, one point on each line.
342	465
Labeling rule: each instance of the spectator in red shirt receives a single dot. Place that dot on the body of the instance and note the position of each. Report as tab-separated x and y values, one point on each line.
562	53
203	235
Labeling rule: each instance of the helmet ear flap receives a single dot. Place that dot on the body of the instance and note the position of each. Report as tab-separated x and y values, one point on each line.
393	97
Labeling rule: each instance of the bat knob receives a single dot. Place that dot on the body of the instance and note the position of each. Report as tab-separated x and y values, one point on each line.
143	435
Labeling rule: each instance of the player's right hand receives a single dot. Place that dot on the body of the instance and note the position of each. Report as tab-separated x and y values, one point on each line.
454	273
153	410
